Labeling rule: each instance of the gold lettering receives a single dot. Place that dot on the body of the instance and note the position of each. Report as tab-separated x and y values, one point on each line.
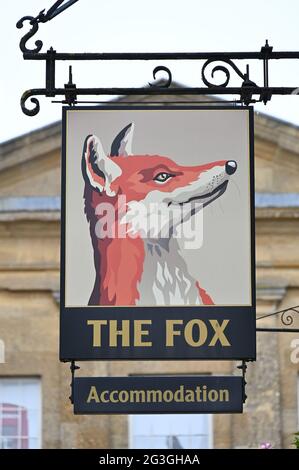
139	332
167	396
198	393
179	394
97	326
189	395
212	395
112	394
102	396
170	332
154	396
93	395
137	396
123	396
124	332
219	333
224	395
202	336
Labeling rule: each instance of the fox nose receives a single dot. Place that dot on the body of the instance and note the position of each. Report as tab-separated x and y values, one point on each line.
230	167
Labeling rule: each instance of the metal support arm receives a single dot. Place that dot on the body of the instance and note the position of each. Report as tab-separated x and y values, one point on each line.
213	62
286	318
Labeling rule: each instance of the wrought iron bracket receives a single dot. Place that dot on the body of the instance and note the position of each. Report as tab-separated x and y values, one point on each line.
286	318
73	369
213	62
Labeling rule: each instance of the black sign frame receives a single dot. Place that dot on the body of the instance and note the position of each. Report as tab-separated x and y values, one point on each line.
76	343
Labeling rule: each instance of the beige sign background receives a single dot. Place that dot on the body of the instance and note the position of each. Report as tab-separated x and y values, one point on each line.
189	137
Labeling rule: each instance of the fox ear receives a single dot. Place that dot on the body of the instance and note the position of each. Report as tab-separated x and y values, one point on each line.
98	169
122	144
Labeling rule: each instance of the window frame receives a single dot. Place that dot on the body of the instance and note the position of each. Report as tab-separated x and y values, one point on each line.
39	409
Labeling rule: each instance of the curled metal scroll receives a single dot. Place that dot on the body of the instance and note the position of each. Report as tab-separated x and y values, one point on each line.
58	7
287	316
162	68
30	94
225	70
34	28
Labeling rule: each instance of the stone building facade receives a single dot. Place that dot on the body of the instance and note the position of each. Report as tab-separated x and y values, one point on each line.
29	311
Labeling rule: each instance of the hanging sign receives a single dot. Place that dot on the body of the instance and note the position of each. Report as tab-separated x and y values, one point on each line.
157	250
140	395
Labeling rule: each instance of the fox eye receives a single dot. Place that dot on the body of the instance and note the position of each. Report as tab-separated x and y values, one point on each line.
162	177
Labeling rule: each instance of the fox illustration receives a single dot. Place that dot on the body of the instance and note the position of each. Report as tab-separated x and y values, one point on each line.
143	267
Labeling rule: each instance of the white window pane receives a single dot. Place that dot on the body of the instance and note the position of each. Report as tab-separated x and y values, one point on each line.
20	413
170	431
149	443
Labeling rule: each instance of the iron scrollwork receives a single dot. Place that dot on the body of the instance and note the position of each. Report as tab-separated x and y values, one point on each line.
167	83
225	70
30	94
42	17
248	91
286	318
34	28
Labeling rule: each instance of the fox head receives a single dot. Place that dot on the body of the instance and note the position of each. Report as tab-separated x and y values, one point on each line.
150	183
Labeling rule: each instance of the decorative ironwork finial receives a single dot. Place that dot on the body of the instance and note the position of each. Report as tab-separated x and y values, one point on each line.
42	17
70	89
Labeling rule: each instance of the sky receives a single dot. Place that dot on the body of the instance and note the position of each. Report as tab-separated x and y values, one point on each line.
144	26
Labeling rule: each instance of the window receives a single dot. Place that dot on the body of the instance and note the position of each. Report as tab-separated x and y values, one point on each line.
20	413
2	352
182	431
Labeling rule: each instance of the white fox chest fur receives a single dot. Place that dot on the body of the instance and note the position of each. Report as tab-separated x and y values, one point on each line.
165	279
